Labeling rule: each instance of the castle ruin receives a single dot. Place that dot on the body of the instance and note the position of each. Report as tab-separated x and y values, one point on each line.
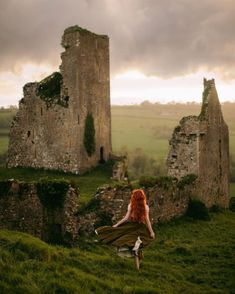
64	121
200	145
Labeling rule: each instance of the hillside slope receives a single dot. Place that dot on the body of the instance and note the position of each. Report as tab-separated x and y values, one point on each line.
186	257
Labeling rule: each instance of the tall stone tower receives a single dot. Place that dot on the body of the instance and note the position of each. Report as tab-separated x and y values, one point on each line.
64	121
200	145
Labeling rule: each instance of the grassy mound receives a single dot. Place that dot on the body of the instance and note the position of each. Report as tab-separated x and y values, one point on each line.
87	183
186	257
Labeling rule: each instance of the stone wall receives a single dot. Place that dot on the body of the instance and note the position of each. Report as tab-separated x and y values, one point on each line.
48	130
120	168
200	145
21	209
110	204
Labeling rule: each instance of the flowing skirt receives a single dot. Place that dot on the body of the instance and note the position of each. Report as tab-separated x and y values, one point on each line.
130	236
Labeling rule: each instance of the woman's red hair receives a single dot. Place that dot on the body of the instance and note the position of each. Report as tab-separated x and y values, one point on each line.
138	206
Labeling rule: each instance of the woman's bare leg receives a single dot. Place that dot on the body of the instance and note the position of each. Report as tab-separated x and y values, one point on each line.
137	262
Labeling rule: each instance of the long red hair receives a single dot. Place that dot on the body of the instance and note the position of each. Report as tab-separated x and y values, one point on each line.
138	206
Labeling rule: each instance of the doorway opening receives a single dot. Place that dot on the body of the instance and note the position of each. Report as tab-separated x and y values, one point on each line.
102	155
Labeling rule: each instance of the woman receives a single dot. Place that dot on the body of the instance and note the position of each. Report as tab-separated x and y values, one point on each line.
133	231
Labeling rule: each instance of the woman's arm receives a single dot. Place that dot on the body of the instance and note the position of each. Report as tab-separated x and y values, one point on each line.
148	223
125	217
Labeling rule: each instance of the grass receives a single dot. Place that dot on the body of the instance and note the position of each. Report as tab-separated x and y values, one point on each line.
150	127
143	126
232	189
87	183
186	257
3	143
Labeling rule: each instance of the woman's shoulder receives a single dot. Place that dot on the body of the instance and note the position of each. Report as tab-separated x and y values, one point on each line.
147	207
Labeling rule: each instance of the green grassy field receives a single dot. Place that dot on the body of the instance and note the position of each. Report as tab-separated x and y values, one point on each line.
141	126
87	183
186	257
3	144
150	127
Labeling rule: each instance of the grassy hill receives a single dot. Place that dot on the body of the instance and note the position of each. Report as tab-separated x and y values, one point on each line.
186	257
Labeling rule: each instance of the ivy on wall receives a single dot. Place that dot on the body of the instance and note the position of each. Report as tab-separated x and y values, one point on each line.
205	94
89	134
52	193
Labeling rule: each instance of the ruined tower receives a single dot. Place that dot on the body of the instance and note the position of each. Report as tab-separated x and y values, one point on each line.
64	121
200	145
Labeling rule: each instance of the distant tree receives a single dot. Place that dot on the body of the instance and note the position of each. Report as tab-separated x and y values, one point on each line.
146	103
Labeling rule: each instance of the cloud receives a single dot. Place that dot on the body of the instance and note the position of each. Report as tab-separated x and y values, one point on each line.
159	38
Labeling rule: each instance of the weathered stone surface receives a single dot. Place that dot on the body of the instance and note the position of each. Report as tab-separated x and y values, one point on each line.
200	145
165	204
120	168
48	130
22	210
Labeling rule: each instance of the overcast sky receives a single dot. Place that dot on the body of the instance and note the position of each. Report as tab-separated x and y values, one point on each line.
159	50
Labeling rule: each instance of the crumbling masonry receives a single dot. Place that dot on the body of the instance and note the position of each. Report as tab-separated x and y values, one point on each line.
200	145
64	121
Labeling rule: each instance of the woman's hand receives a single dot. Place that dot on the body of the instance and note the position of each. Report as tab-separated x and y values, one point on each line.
114	226
152	235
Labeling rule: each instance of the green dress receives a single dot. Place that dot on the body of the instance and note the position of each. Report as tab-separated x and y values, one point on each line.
124	237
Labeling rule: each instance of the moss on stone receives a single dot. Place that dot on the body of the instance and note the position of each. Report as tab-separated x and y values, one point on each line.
92	206
82	31
77	28
49	90
205	94
52	193
163	182
186	180
103	217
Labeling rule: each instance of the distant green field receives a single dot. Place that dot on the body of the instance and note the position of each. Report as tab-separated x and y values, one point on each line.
4	131
3	144
150	127
141	126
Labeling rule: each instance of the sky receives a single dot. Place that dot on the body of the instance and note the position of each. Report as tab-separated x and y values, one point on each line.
160	50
